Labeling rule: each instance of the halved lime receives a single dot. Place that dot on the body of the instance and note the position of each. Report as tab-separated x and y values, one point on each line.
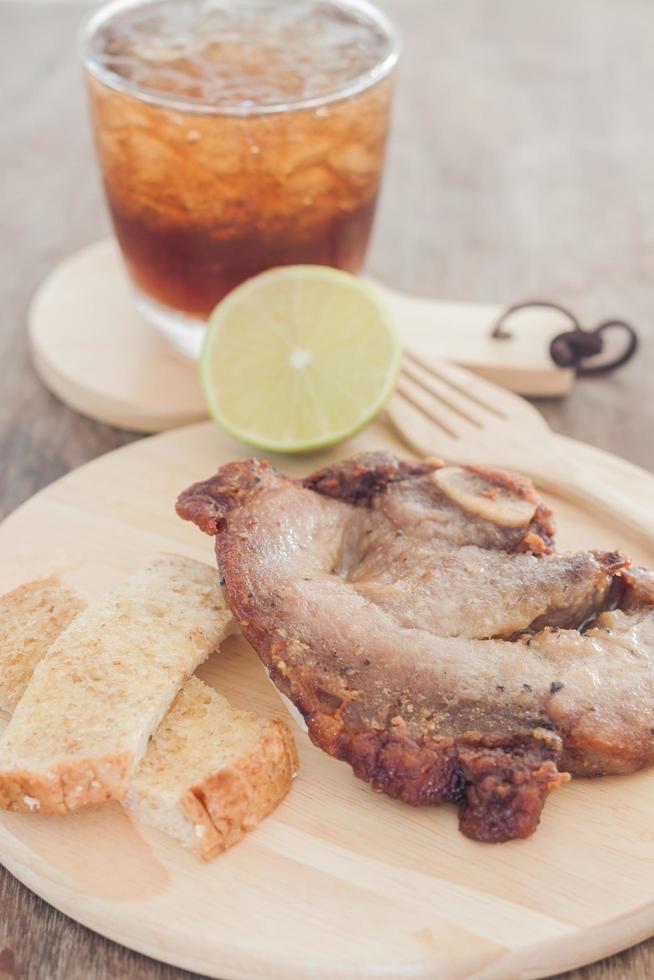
298	358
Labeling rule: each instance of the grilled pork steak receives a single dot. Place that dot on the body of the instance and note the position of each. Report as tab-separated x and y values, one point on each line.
418	617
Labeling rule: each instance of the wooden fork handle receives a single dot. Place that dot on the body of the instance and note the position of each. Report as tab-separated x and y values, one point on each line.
571	482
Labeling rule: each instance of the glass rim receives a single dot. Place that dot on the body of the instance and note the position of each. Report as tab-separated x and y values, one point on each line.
164	100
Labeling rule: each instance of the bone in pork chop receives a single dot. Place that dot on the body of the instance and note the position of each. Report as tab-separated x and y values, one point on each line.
418	617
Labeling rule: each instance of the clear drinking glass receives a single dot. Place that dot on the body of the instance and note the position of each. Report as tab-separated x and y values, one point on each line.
234	136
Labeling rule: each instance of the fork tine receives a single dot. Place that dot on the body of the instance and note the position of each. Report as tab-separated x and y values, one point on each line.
409	397
416	430
439	413
444	393
483	394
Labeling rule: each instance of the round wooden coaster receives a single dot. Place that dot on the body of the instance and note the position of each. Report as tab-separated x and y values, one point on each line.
96	352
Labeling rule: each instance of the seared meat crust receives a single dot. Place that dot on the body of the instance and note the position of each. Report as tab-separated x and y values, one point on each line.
421	639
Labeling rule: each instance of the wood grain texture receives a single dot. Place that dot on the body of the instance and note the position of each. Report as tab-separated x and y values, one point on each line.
520	166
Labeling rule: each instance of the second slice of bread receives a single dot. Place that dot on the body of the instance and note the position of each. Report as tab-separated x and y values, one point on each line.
211	772
82	727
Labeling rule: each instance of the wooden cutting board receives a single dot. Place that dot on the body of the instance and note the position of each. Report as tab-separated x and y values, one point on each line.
338	882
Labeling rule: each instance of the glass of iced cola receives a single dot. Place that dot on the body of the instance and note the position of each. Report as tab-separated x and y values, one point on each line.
234	136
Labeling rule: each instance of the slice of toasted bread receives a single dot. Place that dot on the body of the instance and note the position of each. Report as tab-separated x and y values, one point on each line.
31	618
83	724
211	772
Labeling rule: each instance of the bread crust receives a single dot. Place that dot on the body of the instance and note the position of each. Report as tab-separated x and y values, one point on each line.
67	786
229	803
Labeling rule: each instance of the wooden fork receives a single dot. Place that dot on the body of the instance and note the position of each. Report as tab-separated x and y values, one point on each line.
443	410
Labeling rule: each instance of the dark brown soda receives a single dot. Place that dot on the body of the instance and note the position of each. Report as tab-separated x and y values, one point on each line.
191	268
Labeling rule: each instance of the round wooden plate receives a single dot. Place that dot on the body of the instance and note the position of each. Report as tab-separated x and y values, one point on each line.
338	882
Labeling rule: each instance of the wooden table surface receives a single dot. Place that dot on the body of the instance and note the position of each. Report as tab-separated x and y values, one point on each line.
521	166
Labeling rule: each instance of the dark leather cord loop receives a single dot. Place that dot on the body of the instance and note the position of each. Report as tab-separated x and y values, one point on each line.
572	347
620	359
501	333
